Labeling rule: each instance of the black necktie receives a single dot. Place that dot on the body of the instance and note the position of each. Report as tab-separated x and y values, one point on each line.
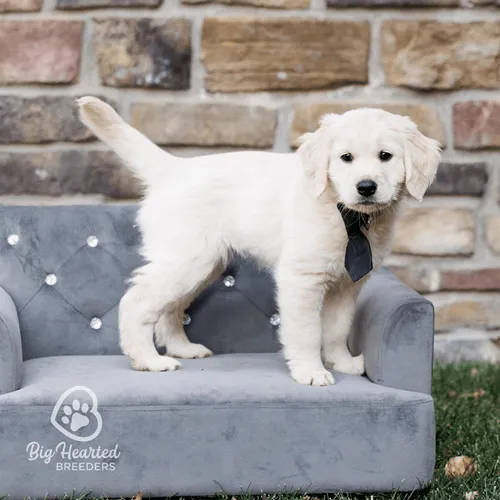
358	254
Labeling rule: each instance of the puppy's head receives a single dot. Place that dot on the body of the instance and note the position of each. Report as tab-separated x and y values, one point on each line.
370	157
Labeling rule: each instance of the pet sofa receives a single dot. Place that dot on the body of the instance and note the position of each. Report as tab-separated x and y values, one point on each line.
75	416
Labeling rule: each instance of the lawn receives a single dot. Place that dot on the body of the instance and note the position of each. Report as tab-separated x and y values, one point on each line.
467	399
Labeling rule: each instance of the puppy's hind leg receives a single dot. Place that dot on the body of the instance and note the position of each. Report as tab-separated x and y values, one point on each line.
169	329
139	310
161	289
170	334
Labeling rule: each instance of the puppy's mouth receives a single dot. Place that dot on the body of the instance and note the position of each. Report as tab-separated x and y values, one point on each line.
368	206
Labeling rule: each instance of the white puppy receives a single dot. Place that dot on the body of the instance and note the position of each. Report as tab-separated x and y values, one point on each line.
279	208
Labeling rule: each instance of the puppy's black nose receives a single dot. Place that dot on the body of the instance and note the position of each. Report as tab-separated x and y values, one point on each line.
366	187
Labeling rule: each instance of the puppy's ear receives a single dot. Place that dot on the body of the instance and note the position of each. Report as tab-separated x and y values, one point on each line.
314	152
421	158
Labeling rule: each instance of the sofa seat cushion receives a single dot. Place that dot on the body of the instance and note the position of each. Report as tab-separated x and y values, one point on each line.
229	379
229	422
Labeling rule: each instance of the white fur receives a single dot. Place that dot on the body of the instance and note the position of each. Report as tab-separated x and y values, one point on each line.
279	208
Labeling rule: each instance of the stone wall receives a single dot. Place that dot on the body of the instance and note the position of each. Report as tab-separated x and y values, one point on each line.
200	76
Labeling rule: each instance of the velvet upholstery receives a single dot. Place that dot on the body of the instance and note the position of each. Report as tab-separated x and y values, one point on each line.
233	422
55	319
394	328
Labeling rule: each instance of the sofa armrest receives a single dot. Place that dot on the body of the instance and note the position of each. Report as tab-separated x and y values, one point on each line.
11	355
394	328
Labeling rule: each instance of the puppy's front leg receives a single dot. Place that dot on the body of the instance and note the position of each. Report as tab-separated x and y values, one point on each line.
300	298
338	311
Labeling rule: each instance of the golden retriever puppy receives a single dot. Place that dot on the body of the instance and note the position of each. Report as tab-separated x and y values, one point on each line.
288	211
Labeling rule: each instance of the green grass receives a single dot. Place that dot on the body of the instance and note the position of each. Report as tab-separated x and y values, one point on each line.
467	423
467	400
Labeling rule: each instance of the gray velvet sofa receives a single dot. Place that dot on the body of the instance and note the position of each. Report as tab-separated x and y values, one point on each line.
75	416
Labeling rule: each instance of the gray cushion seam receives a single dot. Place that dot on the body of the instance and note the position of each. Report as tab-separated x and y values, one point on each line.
383	342
41	286
70	304
2	211
251	302
113	256
252	405
31	299
12	376
109	310
42	271
217	287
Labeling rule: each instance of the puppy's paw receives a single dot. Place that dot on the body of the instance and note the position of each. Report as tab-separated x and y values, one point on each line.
306	374
156	364
349	365
189	351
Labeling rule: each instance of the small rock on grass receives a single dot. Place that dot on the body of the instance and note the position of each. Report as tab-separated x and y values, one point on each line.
471	495
460	467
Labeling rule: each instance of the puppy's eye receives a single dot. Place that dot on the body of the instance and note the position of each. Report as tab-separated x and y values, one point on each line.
347	157
385	155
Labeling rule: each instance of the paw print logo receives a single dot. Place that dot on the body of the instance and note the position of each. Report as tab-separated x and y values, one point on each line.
76	416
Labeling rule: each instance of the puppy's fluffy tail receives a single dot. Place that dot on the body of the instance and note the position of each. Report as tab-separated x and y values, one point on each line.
147	161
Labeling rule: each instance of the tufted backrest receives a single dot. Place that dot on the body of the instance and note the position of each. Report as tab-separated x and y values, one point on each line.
66	268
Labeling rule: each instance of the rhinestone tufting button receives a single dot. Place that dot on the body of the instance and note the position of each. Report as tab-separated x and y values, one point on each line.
92	241
12	239
186	319
275	319
95	323
229	281
51	279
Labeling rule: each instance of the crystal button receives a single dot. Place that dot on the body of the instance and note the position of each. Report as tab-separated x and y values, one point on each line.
51	279
186	319
12	239
229	281
274	319
95	323
92	241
